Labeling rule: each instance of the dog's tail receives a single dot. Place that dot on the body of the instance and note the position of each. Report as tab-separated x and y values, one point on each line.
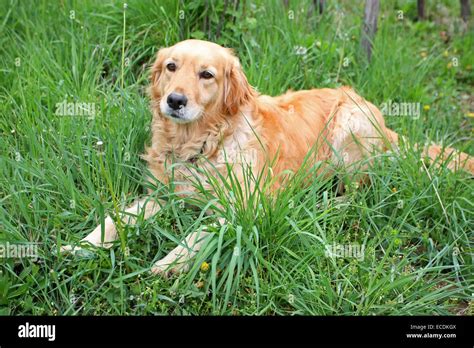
454	159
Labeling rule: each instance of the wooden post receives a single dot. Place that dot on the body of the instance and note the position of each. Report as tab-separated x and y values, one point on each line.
236	9
465	10
421	9
369	27
320	6
316	5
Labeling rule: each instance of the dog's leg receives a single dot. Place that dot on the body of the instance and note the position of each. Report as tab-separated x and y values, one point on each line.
148	205
179	258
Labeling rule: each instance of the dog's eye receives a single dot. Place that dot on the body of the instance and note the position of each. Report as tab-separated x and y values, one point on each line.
206	75
171	66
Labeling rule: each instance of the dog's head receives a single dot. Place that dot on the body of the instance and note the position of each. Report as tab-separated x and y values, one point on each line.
196	78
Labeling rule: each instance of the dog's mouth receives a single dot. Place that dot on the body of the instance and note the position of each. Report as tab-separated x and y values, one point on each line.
176	113
181	115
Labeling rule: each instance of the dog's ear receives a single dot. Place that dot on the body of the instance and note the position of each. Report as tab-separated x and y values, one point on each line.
156	71
237	90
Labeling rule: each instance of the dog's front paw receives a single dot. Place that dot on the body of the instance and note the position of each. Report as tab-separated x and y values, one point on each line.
105	240
94	239
168	266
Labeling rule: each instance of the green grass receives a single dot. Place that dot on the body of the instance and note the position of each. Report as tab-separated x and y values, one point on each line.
57	184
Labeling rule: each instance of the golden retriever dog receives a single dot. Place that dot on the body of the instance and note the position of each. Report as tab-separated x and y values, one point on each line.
205	113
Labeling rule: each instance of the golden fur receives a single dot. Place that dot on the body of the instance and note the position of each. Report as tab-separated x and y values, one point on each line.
338	124
226	121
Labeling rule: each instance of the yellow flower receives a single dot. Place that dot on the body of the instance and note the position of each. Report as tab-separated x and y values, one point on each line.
426	107
450	65
204	266
445	53
394	190
470	114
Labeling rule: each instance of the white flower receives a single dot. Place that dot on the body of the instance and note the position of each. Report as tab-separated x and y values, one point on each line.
300	50
73	299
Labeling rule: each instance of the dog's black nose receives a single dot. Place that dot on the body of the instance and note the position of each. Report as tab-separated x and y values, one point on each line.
177	101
